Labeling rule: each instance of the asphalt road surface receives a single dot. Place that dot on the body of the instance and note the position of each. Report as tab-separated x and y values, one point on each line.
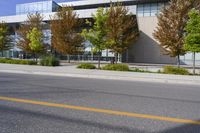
48	104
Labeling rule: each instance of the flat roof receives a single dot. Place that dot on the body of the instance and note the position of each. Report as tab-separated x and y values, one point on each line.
82	12
94	2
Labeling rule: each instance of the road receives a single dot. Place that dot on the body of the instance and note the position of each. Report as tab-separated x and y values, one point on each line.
50	104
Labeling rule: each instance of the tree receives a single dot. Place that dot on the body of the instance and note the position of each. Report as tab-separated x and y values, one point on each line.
171	23
192	39
122	29
97	34
36	42
64	27
33	21
5	40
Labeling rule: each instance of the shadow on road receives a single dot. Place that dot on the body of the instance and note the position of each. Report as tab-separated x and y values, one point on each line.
5	110
86	124
187	128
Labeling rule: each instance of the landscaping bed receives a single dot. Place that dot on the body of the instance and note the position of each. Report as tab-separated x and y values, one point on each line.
124	67
16	61
44	61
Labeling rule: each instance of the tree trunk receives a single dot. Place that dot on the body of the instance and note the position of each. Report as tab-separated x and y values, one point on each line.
92	56
99	60
36	59
78	58
193	63
54	53
116	58
178	63
24	55
2	53
68	57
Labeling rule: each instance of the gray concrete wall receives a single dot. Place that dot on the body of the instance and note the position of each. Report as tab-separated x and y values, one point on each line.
146	49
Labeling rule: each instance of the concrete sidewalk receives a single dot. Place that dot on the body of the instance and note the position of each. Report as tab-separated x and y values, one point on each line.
72	71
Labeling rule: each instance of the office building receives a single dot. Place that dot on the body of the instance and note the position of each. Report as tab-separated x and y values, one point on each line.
145	50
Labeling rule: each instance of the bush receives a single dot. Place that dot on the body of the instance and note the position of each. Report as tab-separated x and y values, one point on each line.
32	62
49	61
140	70
15	61
28	62
116	67
4	60
175	70
86	66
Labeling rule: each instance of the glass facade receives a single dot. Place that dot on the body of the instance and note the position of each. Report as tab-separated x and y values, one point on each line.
40	7
149	9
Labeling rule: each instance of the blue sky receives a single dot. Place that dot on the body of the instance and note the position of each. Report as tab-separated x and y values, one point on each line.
7	7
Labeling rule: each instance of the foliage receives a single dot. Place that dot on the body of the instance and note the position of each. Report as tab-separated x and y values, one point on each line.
171	23
122	28
5	40
140	70
192	39
97	34
13	61
116	67
36	41
49	61
159	71
86	66
33	21
175	70
64	27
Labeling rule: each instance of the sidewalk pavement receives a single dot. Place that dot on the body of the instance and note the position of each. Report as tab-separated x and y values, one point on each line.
143	66
72	71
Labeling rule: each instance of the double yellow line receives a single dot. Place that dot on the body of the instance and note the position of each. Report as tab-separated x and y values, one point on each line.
111	112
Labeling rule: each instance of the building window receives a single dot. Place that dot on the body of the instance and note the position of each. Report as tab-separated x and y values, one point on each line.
152	9
140	10
41	7
17	10
147	9
160	6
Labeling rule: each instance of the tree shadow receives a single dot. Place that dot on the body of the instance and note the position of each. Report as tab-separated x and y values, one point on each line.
75	121
187	128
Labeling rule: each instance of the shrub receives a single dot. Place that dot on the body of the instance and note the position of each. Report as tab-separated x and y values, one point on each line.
32	62
28	62
49	61
140	70
15	61
159	71
22	62
116	67
4	60
175	70
86	66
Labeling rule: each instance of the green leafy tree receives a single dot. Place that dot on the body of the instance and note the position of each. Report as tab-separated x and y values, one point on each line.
122	29
5	40
192	39
171	24
65	27
33	21
97	34
36	42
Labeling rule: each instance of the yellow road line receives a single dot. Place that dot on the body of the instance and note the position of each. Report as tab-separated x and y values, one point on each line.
135	115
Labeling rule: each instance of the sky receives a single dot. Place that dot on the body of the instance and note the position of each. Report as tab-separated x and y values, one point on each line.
8	7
